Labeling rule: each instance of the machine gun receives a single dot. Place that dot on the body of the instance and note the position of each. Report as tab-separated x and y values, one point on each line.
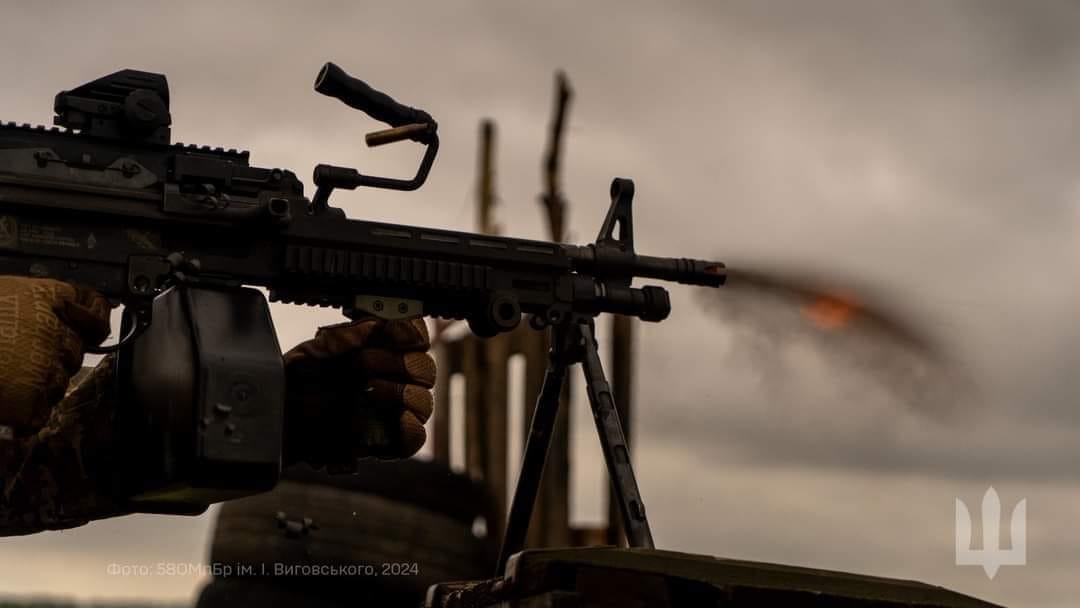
178	233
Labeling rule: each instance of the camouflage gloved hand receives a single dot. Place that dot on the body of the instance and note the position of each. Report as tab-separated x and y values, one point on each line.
44	327
358	389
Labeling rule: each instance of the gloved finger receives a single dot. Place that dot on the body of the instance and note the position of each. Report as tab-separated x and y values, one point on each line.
333	447
413	435
334	340
84	310
412	367
304	373
402	335
70	348
374	430
412	397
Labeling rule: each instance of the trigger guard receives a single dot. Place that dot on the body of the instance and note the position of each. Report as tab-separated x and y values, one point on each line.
142	318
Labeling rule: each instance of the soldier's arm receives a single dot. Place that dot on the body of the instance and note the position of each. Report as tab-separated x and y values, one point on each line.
47	434
356	390
59	476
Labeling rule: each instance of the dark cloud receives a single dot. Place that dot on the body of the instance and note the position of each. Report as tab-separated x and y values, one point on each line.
925	149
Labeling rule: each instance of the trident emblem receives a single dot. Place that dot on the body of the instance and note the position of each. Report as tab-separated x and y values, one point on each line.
991	556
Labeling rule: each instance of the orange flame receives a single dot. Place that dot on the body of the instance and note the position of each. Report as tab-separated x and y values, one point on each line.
831	311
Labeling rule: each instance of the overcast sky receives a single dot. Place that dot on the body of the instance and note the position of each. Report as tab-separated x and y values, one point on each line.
926	150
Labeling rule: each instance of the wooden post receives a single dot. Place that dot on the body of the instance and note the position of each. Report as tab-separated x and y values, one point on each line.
534	347
550	524
440	426
485	192
552	199
492	355
473	367
622	377
555	493
449	359
475	360
484	363
496	425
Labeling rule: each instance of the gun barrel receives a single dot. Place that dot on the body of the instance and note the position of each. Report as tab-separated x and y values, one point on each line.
612	264
682	270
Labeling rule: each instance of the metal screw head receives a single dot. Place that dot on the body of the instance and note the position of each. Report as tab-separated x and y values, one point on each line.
242	391
403	308
377	305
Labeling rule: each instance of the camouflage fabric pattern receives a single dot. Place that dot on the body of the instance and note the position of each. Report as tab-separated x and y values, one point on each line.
359	389
55	478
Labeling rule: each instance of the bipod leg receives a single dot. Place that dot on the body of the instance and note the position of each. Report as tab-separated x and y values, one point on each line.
563	339
613	443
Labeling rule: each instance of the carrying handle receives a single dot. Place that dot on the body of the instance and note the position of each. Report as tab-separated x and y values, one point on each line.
405	122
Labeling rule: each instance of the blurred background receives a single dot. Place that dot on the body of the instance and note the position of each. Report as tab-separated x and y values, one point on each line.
916	162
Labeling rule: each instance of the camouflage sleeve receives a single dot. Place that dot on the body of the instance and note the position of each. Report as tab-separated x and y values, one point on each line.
58	477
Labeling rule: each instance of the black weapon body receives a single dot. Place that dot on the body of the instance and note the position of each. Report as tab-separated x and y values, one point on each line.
179	234
130	220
